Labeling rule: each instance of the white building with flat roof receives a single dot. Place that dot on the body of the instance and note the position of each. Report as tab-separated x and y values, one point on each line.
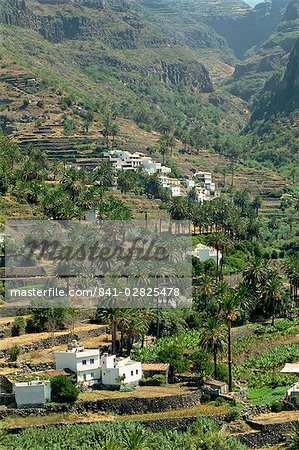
116	372
203	253
85	363
32	392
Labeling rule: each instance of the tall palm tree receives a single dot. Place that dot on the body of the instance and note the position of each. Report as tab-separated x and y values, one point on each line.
104	174
212	339
111	317
72	181
255	273
178	209
230	307
292	270
273	292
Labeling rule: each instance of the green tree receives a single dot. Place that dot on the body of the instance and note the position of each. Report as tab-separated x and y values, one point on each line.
212	339
63	389
230	309
104	174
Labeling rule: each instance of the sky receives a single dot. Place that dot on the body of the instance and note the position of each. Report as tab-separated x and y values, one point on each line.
253	2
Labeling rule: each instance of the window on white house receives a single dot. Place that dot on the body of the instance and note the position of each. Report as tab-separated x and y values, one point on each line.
84	362
132	373
92	375
84	377
136	371
91	361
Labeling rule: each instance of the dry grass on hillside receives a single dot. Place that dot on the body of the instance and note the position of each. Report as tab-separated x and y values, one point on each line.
141	392
36	337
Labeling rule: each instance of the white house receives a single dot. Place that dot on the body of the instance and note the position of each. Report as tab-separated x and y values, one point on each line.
116	372
203	253
205	177
124	160
32	392
84	363
291	368
172	184
152	167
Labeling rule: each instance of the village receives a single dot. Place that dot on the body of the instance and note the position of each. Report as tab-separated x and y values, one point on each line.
201	183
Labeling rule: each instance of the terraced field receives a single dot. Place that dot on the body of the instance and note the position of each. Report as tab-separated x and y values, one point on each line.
35	114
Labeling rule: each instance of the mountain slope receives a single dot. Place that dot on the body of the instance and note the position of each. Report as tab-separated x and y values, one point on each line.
251	28
250	76
281	93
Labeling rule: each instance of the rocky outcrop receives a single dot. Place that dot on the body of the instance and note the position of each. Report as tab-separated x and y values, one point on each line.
281	93
194	75
56	25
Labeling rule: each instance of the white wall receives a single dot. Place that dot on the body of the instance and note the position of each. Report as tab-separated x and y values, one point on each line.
36	393
132	372
75	360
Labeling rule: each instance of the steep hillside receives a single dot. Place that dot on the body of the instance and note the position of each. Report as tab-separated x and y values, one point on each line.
271	56
251	28
274	124
281	93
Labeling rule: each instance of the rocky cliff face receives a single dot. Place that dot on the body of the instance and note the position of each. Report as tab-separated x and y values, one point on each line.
111	25
250	29
281	93
71	23
194	75
268	58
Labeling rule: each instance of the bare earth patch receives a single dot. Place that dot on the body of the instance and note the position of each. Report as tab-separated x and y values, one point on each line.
141	392
284	416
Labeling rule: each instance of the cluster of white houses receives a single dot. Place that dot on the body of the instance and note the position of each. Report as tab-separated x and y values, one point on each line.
124	160
201	183
87	365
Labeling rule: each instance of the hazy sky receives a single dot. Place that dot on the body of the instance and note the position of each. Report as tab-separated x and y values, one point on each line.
253	2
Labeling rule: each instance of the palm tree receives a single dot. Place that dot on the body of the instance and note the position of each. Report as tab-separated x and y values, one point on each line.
111	317
255	273
212	339
104	174
206	289
72	181
230	306
257	203
272	292
178	209
292	270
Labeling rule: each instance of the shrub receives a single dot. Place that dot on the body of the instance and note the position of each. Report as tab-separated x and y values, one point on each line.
205	398
13	353
155	380
18	327
64	389
277	407
232	415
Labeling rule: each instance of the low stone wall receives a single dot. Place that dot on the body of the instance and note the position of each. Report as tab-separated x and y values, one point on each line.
269	435
58	340
135	405
119	406
28	366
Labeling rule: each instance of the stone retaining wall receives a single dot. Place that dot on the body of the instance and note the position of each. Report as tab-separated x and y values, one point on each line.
268	435
119	406
135	405
58	340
